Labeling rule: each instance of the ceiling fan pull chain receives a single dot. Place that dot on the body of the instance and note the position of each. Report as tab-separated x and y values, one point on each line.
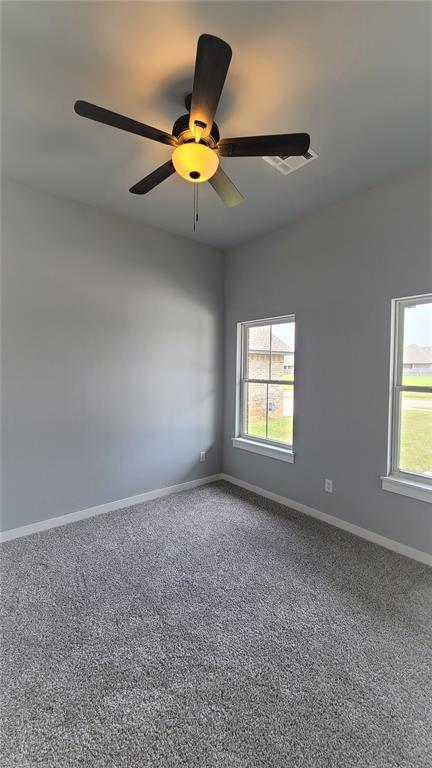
194	205
195	210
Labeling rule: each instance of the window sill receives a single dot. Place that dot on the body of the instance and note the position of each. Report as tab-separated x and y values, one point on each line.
412	488
272	451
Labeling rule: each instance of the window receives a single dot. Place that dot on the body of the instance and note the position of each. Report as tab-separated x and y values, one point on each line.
265	398
410	460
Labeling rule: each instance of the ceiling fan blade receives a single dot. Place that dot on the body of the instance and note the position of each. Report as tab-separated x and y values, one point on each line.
213	58
281	145
225	188
153	179
101	115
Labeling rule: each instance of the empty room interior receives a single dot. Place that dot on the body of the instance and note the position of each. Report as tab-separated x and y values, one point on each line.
216	384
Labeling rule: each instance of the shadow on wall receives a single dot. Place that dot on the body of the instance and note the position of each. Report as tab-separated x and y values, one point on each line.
112	357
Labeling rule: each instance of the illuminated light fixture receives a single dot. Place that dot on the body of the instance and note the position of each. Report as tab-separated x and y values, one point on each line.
195	162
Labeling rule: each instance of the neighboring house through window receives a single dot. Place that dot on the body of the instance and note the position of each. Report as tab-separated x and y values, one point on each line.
410	439
265	397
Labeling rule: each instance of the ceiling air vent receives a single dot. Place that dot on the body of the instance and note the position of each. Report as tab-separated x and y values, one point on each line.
287	165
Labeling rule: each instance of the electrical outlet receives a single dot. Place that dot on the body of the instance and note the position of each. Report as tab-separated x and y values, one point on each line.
202	456
328	485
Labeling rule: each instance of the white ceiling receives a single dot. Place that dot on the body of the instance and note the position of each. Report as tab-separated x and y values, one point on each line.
356	76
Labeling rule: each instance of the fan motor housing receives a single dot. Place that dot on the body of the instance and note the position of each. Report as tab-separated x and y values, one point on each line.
182	132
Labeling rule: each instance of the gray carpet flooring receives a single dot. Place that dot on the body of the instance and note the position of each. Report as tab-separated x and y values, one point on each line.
213	629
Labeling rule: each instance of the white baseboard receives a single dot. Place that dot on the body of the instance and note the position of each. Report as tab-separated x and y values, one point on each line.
364	533
111	506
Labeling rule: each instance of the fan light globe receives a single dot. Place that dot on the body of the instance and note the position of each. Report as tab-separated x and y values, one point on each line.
195	162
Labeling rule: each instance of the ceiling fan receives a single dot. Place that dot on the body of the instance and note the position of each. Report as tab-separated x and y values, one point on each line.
195	136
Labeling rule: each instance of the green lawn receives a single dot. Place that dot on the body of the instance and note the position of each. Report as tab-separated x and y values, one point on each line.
416	428
288	377
416	447
280	428
416	441
417	381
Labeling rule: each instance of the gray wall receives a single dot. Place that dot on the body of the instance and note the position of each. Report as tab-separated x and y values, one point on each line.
337	270
112	353
112	357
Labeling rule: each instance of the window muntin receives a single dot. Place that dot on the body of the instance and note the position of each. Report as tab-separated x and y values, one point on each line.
411	428
267	381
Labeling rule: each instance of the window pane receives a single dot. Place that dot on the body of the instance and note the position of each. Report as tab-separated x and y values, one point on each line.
280	413
282	351
268	351
255	408
258	352
415	449
417	345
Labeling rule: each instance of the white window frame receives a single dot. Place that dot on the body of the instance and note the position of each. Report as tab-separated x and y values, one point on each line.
270	448
397	480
